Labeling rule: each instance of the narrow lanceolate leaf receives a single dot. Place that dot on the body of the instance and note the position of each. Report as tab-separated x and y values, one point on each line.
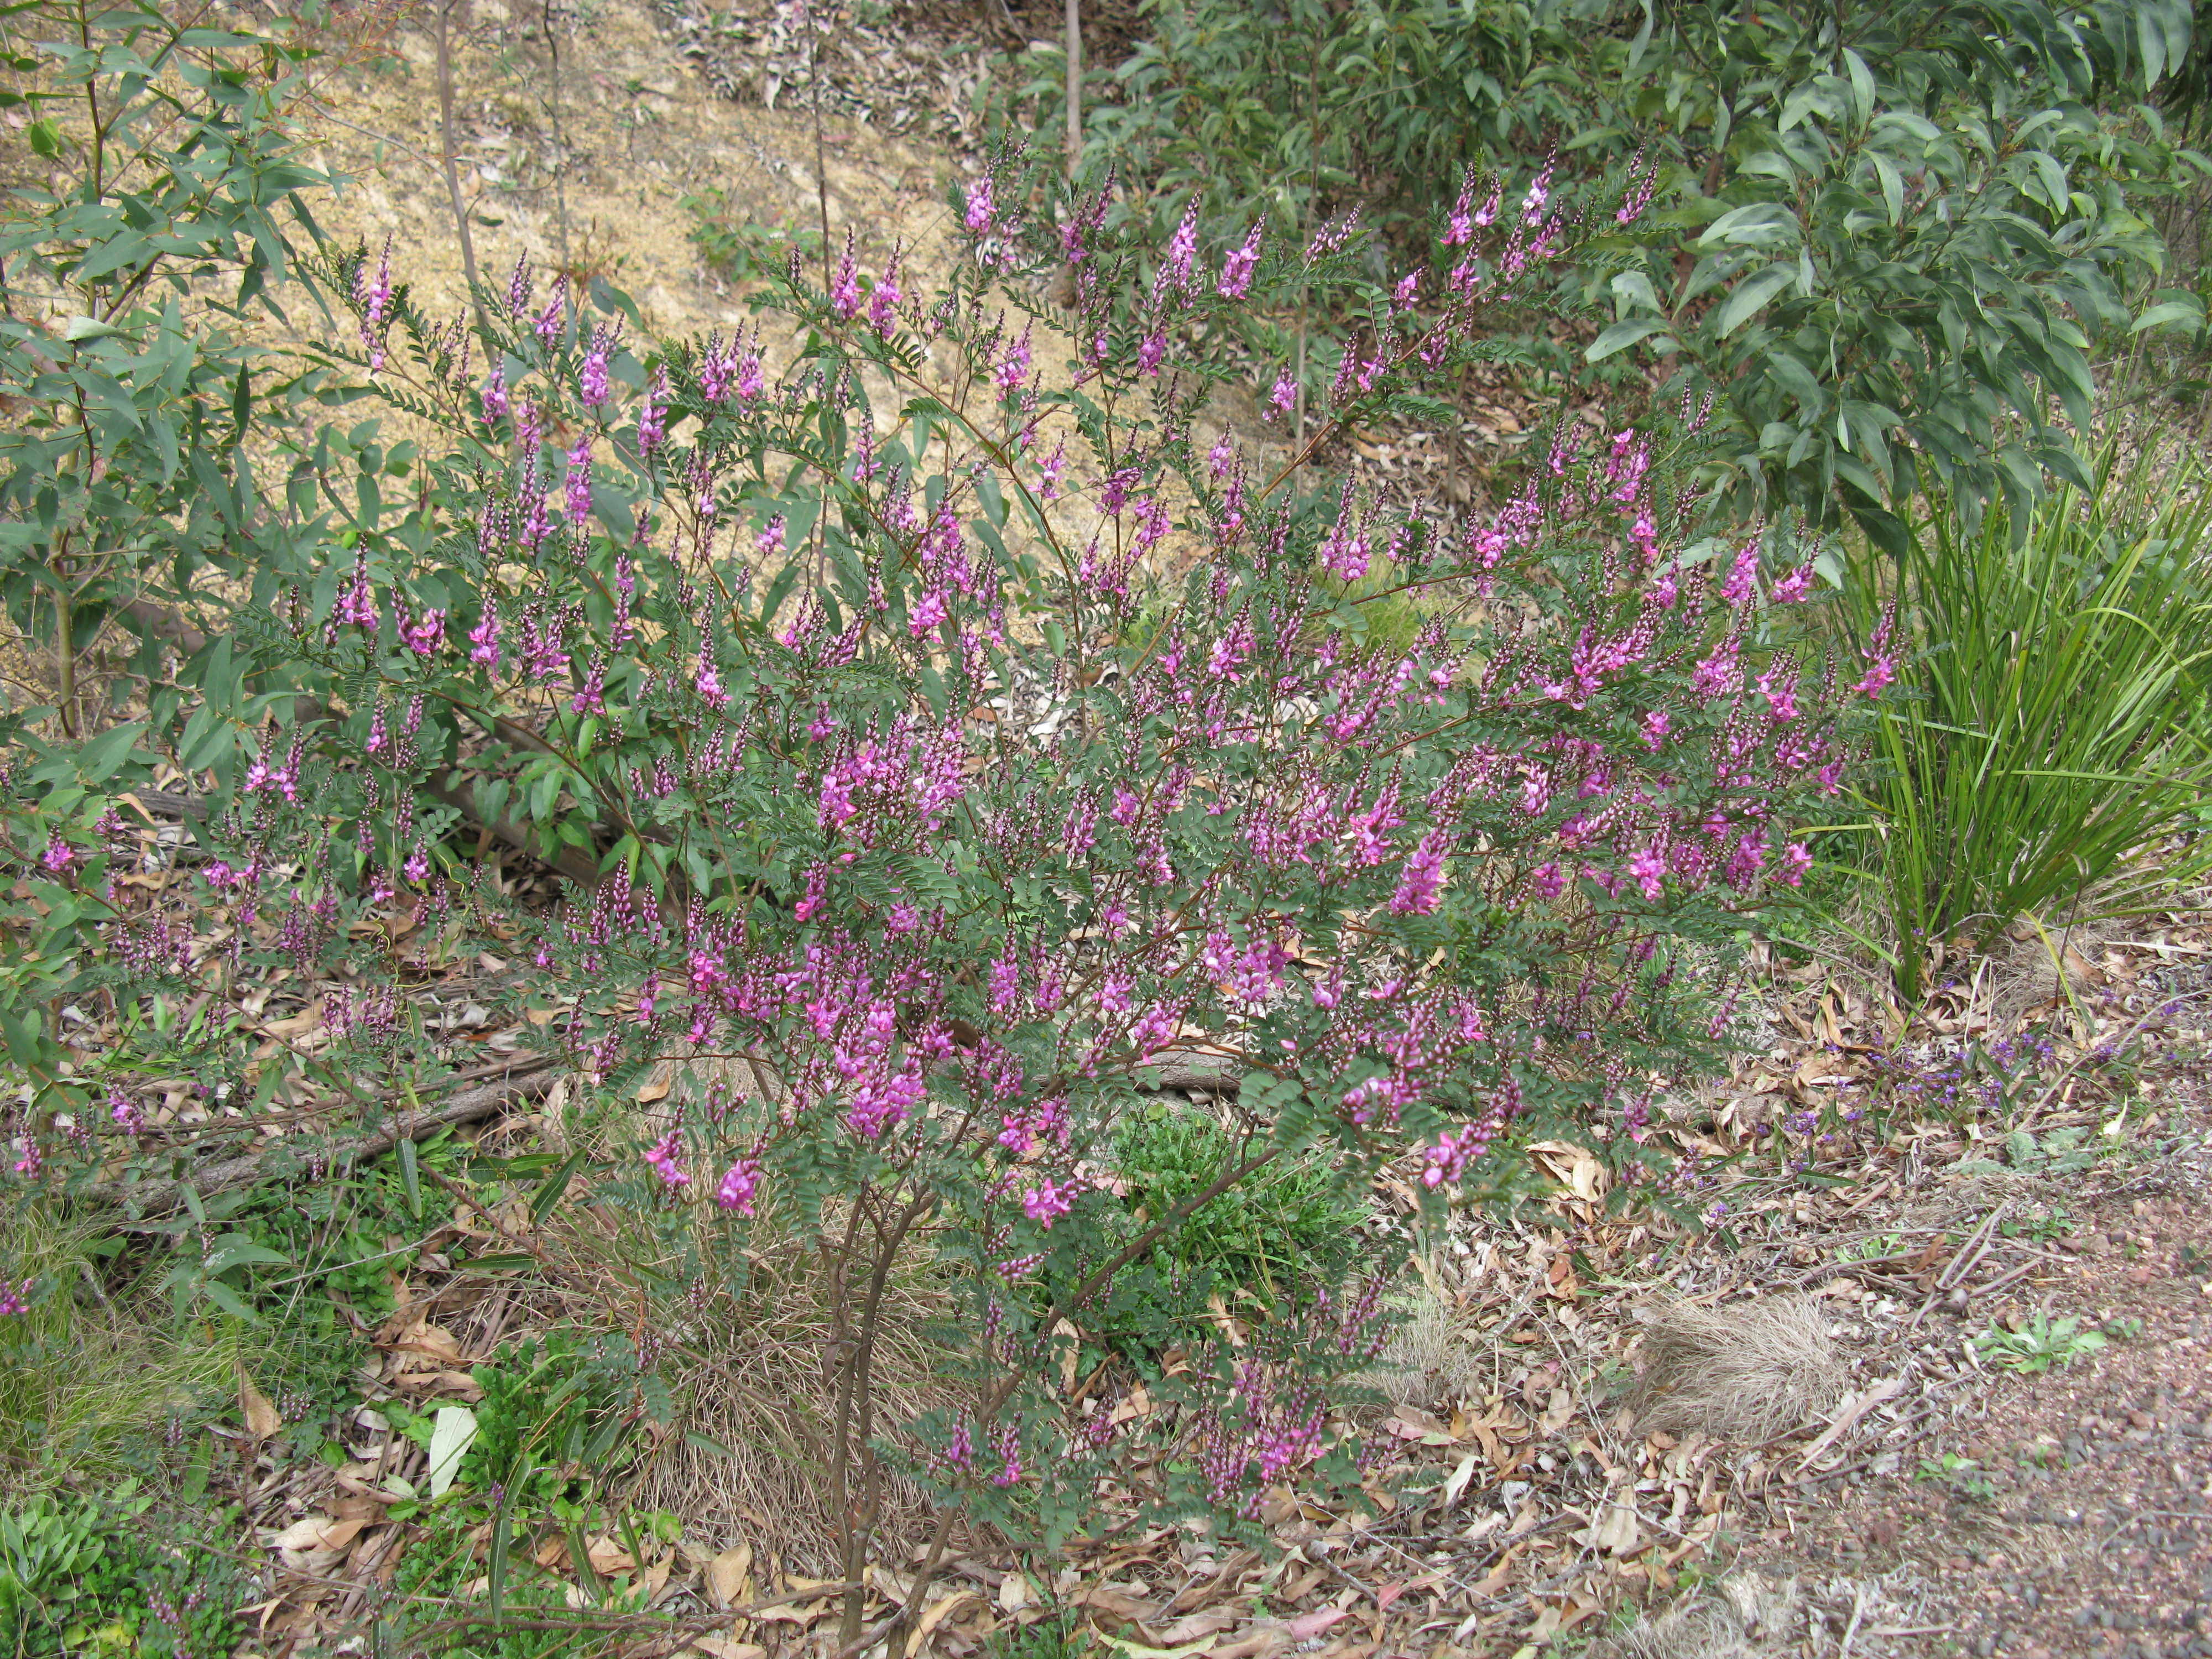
1622	335
1745	300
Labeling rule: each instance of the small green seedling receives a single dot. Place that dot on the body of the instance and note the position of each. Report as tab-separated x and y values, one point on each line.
2038	1346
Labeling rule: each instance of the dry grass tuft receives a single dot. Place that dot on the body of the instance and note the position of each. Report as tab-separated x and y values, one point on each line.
2028	967
1428	1361
750	1367
1744	1373
1734	1618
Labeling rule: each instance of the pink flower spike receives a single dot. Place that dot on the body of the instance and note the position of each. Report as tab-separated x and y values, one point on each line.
1795	862
1743	575
739	1183
982	211
1183	249
1640	192
1284	396
1540	191
1461	228
1794	587
845	291
1046	1203
662	1156
1236	269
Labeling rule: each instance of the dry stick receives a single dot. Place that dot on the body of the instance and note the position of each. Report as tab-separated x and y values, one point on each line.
1998	1284
453	173
553	111
1977	1247
821	166
1074	88
161	1197
856	1398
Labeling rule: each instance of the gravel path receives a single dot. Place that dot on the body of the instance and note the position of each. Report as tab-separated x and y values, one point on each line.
2063	1512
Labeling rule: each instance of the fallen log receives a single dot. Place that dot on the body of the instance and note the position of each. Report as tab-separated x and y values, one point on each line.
528	1080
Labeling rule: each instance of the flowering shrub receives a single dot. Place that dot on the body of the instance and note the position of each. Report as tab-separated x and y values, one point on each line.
936	745
920	835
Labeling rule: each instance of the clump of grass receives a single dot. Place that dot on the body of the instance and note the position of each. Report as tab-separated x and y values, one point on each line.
1427	1360
1061	1635
89	1375
748	1451
1743	1373
2049	738
1732	1618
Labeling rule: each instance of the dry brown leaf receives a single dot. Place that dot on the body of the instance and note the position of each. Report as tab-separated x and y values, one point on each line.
786	1615
1412	1423
728	1575
296	1025
1560	1413
317	1533
261	1418
722	1647
1194	1627
1616	1531
1306	1627
1218	1311
940	1610
1134	1404
1115	1604
607	1556
1069	1340
1575	1167
433	1341
1495	1579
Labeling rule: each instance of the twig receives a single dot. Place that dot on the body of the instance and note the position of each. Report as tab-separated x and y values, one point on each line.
1852	1630
1966	1261
553	111
1074	88
525	1082
2000	1283
452	174
821	167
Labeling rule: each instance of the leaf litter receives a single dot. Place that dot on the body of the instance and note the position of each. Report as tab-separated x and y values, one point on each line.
1566	1456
